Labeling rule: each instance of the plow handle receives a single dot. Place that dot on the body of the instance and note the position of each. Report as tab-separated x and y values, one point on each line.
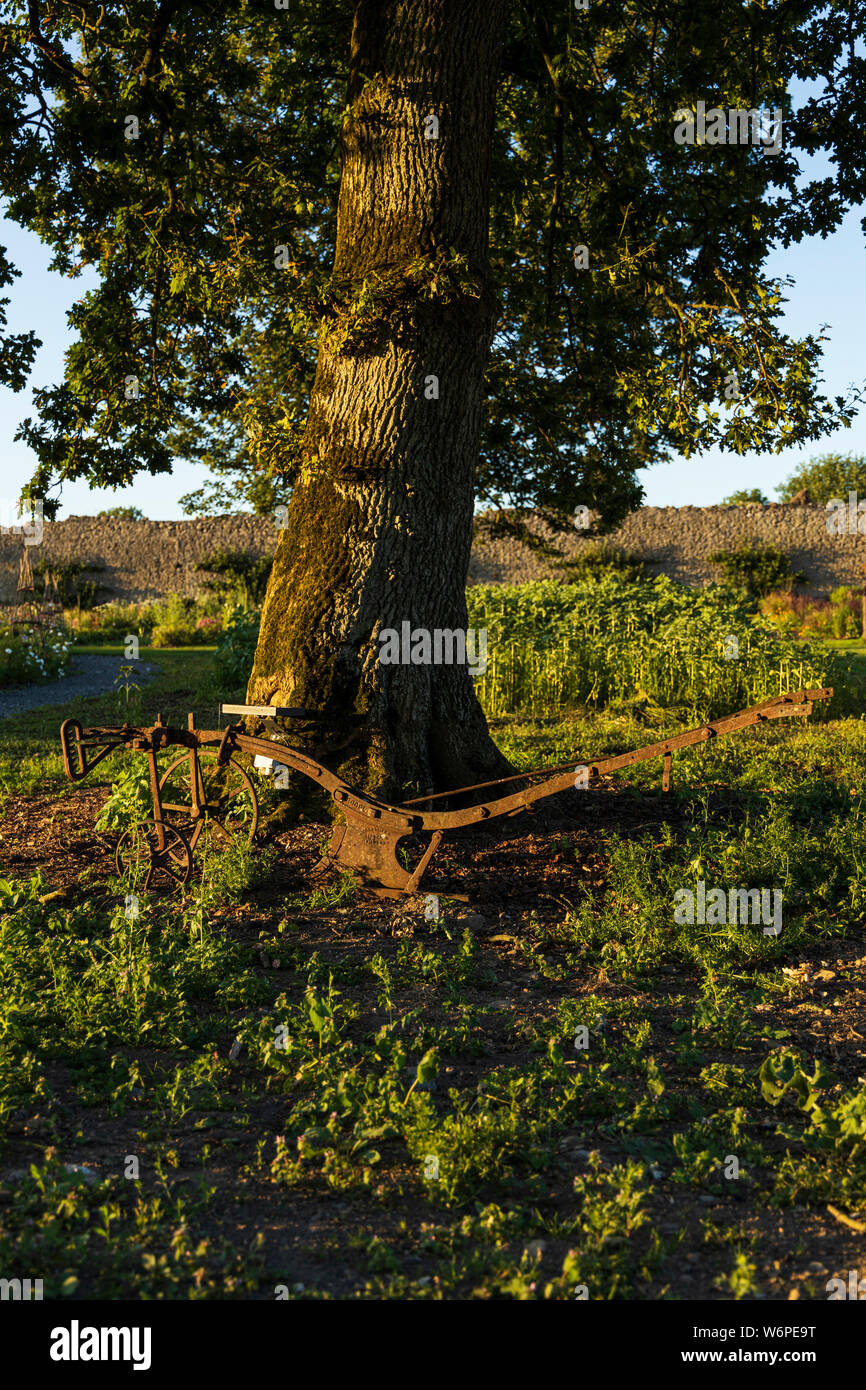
70	730
75	741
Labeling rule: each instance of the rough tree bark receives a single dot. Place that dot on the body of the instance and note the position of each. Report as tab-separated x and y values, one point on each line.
379	527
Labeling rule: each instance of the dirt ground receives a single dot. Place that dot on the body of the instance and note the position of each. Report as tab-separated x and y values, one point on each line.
525	871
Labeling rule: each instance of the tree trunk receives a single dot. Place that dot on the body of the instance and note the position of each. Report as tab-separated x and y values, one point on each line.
379	528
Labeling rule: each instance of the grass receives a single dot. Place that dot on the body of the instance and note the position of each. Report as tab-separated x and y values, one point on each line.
116	648
856	645
248	1093
30	759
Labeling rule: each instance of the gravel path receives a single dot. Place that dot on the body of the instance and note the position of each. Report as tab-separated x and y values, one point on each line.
90	675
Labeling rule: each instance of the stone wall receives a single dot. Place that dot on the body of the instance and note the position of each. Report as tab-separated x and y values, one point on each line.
149	559
678	541
142	559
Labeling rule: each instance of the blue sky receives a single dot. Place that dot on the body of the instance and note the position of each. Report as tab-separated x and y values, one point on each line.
829	278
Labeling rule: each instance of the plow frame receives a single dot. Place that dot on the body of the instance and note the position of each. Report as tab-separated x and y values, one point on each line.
367	840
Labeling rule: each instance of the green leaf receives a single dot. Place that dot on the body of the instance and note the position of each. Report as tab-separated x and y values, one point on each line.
317	1138
385	1131
428	1067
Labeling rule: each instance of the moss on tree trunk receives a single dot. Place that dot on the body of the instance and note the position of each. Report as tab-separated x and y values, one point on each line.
379	527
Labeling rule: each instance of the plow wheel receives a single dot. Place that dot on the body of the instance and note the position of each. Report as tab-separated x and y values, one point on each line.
163	848
224	808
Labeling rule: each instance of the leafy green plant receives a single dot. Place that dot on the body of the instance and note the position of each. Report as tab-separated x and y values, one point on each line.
180	622
240	575
112	622
228	872
796	615
757	569
30	653
611	1211
745	497
128	690
610	641
123	513
740	1280
783	1077
605	559
129	800
65	576
427	1068
236	648
828	1154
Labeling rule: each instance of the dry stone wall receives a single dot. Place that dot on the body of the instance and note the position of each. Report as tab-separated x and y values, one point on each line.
142	559
149	559
678	541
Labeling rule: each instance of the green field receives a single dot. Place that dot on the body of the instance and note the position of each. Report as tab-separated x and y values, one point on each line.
254	1088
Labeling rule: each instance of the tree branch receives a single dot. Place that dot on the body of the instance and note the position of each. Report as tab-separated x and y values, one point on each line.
50	50
161	23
